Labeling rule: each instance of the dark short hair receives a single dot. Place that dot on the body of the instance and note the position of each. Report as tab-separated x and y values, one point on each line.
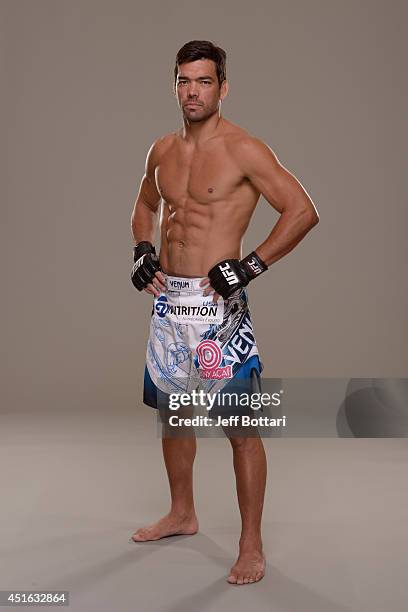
202	49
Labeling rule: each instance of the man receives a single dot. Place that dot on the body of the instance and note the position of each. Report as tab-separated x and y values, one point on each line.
208	176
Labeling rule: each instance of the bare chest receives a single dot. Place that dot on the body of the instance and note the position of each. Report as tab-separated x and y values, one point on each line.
203	176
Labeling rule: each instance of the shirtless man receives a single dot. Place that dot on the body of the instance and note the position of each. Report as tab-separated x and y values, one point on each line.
209	176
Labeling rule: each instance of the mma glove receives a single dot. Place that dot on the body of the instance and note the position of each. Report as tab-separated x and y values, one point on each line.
231	274
146	264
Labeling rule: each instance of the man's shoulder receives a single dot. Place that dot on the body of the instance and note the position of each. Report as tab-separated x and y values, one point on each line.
247	150
240	142
161	144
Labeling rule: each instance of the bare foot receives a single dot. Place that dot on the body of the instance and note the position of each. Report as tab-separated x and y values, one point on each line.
250	567
170	524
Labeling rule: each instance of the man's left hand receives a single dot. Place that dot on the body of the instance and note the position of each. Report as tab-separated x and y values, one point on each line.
208	289
229	275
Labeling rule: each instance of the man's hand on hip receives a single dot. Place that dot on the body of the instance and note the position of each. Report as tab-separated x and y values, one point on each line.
229	275
146	272
157	286
208	289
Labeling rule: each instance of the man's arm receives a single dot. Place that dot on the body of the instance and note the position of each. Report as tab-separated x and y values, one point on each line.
144	215
283	191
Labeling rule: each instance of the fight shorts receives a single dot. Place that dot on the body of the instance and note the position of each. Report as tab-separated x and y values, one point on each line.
196	344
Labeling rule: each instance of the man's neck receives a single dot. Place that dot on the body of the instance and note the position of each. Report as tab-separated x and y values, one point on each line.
198	132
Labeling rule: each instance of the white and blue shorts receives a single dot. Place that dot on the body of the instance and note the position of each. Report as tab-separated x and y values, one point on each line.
197	344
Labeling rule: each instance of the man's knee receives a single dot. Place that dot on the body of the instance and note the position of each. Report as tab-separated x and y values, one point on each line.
243	442
177	428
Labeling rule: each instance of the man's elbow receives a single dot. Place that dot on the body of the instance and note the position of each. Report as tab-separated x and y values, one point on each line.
315	219
305	214
310	216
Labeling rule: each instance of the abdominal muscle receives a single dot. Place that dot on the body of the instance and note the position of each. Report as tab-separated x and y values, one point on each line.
196	236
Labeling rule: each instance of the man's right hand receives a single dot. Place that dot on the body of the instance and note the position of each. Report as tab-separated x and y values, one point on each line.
146	271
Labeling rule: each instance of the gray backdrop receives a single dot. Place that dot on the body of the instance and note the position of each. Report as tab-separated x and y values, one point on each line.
86	90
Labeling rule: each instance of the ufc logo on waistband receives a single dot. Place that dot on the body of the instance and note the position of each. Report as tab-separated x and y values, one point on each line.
228	274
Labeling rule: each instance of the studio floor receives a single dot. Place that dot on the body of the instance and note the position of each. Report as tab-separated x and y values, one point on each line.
76	484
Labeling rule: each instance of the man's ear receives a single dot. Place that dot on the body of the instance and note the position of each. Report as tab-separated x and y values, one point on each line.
224	89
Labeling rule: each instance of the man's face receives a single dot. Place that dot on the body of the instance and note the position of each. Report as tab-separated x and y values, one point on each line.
197	90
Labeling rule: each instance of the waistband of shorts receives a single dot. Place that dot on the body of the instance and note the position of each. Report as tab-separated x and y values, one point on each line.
184	285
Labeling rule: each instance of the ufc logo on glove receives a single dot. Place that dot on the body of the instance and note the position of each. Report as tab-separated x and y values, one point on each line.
231	278
252	263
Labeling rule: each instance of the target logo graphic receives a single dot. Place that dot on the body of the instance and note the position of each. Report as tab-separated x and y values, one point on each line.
209	354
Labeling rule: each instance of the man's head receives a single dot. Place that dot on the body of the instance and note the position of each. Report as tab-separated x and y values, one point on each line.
200	80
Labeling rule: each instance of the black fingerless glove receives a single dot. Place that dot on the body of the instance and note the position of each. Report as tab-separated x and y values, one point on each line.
146	264
230	274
